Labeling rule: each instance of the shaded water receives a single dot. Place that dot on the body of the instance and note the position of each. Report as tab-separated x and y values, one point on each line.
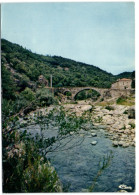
78	166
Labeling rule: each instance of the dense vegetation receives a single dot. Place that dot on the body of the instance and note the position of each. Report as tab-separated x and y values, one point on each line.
26	67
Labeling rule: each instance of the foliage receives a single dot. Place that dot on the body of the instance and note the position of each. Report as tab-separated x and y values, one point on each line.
123	128
125	101
68	93
86	94
65	72
102	166
132	125
27	94
125	112
120	100
8	85
109	107
45	97
7	107
25	167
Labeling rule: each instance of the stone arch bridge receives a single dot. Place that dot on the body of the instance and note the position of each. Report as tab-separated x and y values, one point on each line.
104	92
75	90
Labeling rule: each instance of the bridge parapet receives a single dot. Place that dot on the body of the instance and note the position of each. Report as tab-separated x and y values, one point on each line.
104	92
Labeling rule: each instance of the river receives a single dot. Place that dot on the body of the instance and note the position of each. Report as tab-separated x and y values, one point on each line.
77	167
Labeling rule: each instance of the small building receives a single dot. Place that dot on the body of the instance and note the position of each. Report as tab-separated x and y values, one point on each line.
122	84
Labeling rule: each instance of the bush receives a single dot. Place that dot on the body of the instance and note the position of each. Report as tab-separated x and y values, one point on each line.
8	84
132	125
27	94
109	108
68	93
45	97
24	170
7	108
121	100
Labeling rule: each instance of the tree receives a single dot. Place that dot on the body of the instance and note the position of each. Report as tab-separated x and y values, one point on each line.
25	165
8	84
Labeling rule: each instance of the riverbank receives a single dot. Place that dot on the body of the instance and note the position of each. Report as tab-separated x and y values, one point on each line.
118	120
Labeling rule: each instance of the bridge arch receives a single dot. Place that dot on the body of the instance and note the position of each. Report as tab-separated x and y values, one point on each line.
94	93
67	93
75	90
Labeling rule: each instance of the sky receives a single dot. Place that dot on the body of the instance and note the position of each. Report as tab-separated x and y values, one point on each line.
100	34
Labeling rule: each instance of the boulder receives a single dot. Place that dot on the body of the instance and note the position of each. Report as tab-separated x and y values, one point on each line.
125	145
86	107
121	143
133	131
128	126
125	187
93	134
94	142
115	143
127	131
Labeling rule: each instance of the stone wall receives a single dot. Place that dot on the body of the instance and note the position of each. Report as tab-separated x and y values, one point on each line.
118	93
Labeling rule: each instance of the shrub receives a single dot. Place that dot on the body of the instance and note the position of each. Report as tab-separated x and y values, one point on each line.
27	94
24	169
45	97
68	93
109	107
125	112
120	100
132	125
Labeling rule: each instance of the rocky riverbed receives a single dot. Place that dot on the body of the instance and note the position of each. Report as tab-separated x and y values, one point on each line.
119	121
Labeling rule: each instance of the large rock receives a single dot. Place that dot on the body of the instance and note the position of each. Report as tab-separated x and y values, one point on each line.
131	113
94	142
86	107
125	145
121	143
93	134
115	143
125	187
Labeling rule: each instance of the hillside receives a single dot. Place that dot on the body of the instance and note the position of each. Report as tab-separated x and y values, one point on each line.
27	66
126	75
21	68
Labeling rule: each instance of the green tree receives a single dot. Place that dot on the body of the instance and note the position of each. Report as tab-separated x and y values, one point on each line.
8	84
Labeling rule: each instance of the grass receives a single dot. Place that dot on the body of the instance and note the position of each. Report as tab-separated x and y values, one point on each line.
104	103
126	101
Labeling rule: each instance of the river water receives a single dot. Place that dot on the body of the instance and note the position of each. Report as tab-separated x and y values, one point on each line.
78	166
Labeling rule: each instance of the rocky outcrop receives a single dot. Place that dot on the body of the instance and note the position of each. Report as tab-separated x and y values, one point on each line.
42	80
120	126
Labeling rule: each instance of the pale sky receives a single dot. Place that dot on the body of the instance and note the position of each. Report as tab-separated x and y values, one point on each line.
100	34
